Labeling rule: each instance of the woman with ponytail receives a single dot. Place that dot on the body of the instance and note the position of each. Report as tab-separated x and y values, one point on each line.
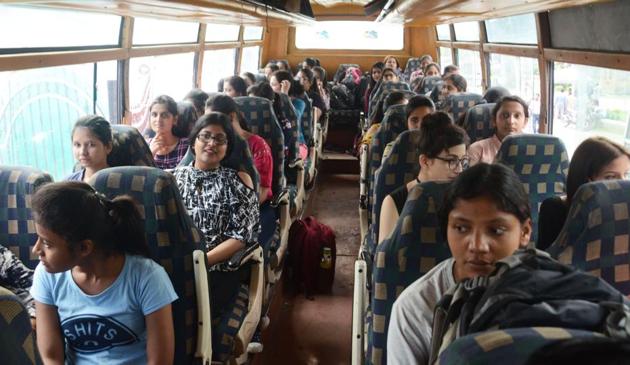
99	297
442	156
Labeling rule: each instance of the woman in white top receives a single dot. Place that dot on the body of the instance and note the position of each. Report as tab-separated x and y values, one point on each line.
486	217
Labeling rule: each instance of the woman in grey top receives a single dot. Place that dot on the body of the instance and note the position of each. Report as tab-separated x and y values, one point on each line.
486	217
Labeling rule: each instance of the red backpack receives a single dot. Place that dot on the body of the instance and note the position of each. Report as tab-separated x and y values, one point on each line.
312	255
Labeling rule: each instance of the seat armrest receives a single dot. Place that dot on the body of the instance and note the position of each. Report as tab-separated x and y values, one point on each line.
243	256
297	163
281	198
204	325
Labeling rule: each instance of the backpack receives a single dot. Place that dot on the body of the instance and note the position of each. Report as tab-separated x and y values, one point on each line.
312	255
529	289
341	97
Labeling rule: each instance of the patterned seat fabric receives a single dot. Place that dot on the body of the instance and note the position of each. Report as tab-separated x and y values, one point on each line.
171	236
261	120
308	125
17	339
228	326
412	65
290	128
400	167
414	248
541	163
130	148
394	123
428	83
515	344
457	105
240	160
341	71
478	122
383	90
595	236
17	229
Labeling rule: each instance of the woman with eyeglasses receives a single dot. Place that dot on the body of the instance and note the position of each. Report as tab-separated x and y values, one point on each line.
442	156
222	202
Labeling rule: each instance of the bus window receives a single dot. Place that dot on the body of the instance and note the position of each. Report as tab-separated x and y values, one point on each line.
38	108
443	32
467	31
217	64
521	77
470	68
335	35
107	89
222	32
250	59
160	31
519	29
51	28
252	33
446	57
152	76
590	101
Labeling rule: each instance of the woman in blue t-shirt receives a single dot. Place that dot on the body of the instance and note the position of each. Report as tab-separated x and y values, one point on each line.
99	298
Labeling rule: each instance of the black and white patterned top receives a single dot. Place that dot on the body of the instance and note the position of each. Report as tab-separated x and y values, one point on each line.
220	205
16	277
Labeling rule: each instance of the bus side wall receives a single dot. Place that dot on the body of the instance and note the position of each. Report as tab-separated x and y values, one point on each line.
279	43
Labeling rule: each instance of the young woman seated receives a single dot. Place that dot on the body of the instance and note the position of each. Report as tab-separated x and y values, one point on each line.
597	158
249	78
198	97
99	298
322	86
307	80
442	150
375	77
392	63
453	84
509	117
486	217
283	65
91	144
260	150
282	82
235	86
389	75
187	116
221	202
270	68
170	143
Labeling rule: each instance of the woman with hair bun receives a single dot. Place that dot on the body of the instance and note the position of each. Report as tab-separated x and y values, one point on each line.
442	156
91	144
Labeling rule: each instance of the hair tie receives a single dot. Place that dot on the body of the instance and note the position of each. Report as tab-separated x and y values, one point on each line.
104	202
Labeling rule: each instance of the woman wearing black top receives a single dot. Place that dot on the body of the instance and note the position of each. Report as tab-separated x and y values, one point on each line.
596	158
442	156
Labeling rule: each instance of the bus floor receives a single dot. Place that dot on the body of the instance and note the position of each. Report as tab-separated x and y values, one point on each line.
318	331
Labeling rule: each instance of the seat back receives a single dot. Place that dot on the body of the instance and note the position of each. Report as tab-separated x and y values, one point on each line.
541	162
129	148
341	71
383	90
171	236
516	344
457	105
289	127
240	160
17	339
17	229
393	124
594	237
478	122
400	167
412	65
308	124
261	120
415	247
428	83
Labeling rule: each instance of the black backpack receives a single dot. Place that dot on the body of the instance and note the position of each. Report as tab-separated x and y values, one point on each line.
529	289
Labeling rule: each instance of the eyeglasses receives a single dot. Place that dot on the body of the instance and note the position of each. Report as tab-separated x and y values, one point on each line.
219	139
453	162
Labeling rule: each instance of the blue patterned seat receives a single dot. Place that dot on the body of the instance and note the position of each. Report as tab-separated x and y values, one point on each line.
171	236
17	339
413	64
415	247
428	83
129	148
17	229
457	105
478	122
515	344
381	93
308	129
394	123
595	236
541	163
290	130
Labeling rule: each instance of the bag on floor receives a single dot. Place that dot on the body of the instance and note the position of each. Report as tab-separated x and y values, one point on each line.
530	289
312	255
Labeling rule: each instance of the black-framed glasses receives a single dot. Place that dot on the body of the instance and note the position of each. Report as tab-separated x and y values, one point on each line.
218	139
453	162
